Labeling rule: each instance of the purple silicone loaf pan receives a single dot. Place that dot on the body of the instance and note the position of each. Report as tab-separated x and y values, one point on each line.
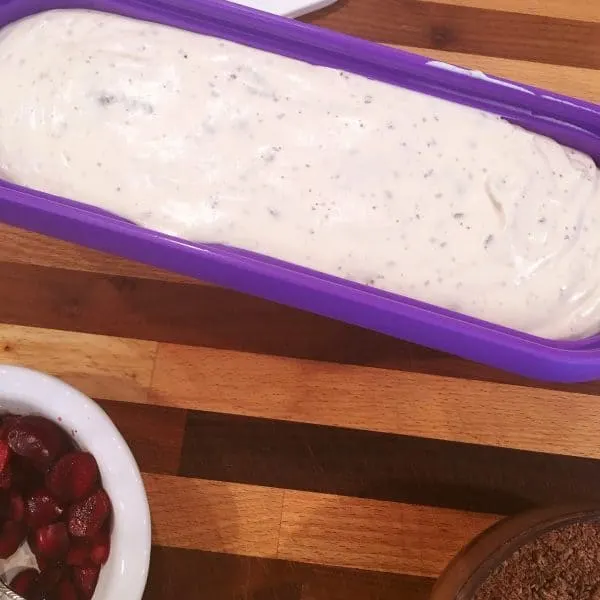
572	122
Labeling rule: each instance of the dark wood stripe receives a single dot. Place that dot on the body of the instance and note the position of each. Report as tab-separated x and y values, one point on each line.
176	573
185	314
214	317
25	247
382	466
154	433
465	29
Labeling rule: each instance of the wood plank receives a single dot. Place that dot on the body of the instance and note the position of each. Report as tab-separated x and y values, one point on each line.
273	387
177	573
580	10
571	81
379	536
213	515
154	433
307	527
184	314
28	248
380	466
469	30
432	406
99	366
321	393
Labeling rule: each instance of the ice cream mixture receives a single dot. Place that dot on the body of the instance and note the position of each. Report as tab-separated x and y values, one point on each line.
213	141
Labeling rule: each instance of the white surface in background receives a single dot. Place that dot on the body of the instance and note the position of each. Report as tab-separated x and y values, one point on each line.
286	8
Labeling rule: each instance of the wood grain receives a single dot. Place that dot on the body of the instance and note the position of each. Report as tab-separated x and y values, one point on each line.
185	314
307	527
470	30
154	434
29	248
100	366
407	403
380	536
581	10
367	464
214	515
315	392
194	574
242	383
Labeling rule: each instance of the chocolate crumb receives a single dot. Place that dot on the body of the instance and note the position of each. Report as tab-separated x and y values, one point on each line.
561	564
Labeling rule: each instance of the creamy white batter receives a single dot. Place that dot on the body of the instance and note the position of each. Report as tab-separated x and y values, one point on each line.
216	142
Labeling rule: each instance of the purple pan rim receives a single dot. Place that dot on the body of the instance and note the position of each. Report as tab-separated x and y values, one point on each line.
86	216
247	25
232	22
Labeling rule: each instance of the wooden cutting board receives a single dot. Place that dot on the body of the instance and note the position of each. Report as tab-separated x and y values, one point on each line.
289	457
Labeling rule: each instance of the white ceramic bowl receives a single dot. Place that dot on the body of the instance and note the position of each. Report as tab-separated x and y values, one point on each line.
23	391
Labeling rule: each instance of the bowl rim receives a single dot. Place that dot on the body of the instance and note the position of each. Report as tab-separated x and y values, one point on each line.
475	562
22	385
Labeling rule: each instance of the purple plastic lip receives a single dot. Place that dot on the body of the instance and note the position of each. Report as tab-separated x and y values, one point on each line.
572	122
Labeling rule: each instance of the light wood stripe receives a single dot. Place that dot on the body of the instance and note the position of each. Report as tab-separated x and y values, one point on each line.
310	391
307	527
377	399
581	10
571	81
381	536
274	387
104	367
213	515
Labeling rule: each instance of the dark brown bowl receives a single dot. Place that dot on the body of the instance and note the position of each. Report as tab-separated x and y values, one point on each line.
480	558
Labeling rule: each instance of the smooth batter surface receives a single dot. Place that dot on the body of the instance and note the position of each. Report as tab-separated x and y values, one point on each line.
216	142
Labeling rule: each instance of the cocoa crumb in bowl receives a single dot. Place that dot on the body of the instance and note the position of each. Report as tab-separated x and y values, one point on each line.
561	564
